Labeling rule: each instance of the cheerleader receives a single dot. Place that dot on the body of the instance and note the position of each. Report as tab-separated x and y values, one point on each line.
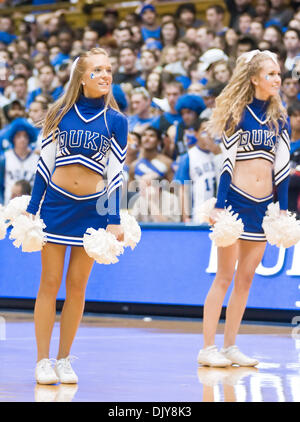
255	130
84	139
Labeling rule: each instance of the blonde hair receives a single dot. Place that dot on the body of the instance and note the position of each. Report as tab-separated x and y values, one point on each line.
239	92
58	109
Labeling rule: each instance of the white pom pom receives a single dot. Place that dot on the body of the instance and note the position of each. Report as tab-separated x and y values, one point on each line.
28	233
3	224
132	230
227	228
204	211
281	229
16	207
102	246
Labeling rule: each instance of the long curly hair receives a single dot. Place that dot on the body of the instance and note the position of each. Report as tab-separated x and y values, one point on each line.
239	92
58	109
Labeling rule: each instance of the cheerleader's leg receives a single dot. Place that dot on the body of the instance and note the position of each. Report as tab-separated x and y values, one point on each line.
214	300
250	255
79	269
53	257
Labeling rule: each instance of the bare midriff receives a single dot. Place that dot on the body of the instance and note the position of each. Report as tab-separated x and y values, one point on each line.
253	177
78	179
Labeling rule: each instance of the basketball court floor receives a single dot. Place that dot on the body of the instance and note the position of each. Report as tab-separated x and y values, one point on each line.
144	359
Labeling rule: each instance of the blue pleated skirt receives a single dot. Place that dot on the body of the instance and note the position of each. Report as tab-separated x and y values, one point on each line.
251	210
68	216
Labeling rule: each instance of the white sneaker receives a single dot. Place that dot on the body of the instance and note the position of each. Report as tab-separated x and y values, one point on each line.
65	371
211	357
237	357
44	372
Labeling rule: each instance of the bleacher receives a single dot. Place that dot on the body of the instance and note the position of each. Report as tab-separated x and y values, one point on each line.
80	13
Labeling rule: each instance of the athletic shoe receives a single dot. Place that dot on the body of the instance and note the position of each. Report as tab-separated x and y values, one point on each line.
44	372
211	357
65	371
237	357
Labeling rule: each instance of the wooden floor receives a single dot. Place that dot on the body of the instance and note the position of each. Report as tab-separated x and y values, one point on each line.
150	360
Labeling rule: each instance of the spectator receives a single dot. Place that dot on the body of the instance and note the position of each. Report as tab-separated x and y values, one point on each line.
291	41
24	67
142	116
209	94
133	150
205	38
244	44
274	35
169	33
128	62
215	19
63	74
110	18
186	16
231	39
186	54
290	88
21	187
90	39
47	85
189	106
123	35
196	174
37	113
154	87
169	116
256	30
19	89
221	71
13	110
262	10
236	8
206	61
149	25
19	162
151	163
280	13
244	23
65	42
168	55
148	62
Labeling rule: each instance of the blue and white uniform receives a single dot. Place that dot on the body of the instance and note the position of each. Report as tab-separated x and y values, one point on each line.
254	139
96	138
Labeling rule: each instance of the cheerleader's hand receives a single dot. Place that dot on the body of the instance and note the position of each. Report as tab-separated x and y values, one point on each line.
213	215
28	214
283	212
116	230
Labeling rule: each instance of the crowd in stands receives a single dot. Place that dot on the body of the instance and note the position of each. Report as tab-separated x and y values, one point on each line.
167	71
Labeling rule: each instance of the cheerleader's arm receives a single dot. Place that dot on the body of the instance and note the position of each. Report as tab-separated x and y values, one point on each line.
282	169
45	167
230	146
116	159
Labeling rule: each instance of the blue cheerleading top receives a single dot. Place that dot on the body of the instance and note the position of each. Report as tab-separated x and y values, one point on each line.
93	136
252	139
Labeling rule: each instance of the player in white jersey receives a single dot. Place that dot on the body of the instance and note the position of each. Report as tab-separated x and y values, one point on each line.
197	173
